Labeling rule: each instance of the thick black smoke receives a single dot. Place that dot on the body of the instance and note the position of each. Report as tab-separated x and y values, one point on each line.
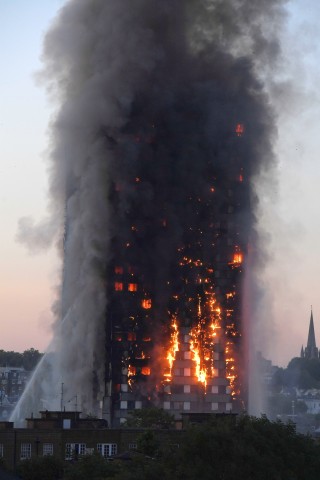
149	93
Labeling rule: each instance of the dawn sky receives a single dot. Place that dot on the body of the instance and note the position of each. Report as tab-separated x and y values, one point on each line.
25	281
290	217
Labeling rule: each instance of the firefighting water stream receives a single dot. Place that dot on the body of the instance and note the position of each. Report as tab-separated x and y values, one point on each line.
162	132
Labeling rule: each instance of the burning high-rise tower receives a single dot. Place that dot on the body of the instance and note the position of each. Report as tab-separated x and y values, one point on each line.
162	129
180	236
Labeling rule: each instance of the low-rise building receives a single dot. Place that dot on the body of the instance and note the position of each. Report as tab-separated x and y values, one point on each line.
12	383
66	435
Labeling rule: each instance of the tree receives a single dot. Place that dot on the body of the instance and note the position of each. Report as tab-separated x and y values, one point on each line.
249	448
10	359
227	448
93	467
302	373
41	468
150	418
30	358
147	443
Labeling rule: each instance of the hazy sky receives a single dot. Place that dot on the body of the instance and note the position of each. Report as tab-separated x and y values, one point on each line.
291	218
25	281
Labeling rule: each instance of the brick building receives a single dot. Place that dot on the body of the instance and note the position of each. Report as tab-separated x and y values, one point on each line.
66	435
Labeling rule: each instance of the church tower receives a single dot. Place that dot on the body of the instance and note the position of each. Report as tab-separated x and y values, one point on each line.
311	350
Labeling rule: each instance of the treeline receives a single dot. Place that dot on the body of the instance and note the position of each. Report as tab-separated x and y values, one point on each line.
28	359
301	373
226	448
283	398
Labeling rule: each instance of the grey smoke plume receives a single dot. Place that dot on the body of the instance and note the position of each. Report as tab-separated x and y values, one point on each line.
113	67
36	237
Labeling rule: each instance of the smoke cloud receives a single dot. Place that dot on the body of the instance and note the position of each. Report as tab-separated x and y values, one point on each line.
126	75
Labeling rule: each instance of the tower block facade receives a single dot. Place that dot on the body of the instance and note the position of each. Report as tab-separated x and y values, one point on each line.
173	324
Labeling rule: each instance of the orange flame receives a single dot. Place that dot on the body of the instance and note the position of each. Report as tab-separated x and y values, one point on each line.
146	303
231	368
204	336
237	257
174	346
201	373
118	286
207	333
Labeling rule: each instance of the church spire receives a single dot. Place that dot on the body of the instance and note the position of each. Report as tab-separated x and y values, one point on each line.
311	350
311	336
